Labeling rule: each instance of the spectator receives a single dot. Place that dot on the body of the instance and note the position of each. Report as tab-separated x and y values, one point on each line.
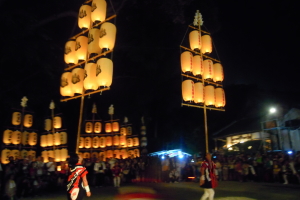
99	168
174	176
116	171
10	188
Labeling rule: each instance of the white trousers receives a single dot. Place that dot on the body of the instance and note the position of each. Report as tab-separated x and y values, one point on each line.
208	193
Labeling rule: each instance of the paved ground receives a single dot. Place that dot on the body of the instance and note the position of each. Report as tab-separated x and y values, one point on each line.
227	190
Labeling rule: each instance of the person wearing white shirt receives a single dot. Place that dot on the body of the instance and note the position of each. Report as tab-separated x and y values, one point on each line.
99	169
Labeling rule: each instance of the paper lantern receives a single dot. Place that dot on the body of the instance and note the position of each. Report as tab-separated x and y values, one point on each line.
84	17
209	93
45	156
122	140
102	156
89	82
107	36
24	154
87	142
63	138
32	153
88	127
97	127
44	141
143	130
86	155
206	44
104	72
94	156
32	139
123	153
108	127
208	71
186	60
16	118
16	137
58	168
102	142
81	142
25	138
57	122
136	153
5	156
81	48
199	92
115	126
195	40
28	120
66	84
70	53
108	141
116	139
48	123
130	153
50	139
96	142
188	90
218	72
129	130
15	153
220	97
129	142
123	131
143	142
135	141
57	157
93	43
98	10
50	154
63	154
117	153
7	136
77	80
109	154
56	138
197	65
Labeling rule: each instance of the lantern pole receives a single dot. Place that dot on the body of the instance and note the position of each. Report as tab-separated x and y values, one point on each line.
52	106
23	104
79	124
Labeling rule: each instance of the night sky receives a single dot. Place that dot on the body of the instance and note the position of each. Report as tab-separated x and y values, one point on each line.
256	42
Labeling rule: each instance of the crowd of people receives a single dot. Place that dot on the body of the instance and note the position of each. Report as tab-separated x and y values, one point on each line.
30	177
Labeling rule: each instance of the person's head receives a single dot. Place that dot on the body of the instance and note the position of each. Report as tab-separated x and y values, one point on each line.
74	159
208	156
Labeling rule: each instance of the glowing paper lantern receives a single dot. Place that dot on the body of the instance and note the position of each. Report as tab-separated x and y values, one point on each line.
77	80
209	92
5	156
102	155
109	154
123	153
98	10
206	44
7	136
108	141
94	155
44	141
208	72
87	142
218	72
25	138
102	142
104	72
63	154
129	130
57	122
107	37
197	65
130	153
70	53
199	92
56	138
50	139
15	153
45	156
122	140
123	131
48	123
136	153
95	142
220	97
50	154
16	118
81	142
186	60
115	126
84	17
24	154
143	130
57	156
32	139
32	154
93	43
143	142
86	155
66	84
117	153
116	139
195	40
81	48
28	120
97	127
16	137
63	138
188	90
108	127
129	142
88	127
135	141
89	82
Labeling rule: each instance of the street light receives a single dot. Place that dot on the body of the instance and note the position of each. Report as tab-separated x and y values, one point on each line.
202	79
272	110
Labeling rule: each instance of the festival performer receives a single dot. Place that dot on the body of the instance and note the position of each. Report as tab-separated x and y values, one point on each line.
208	179
77	181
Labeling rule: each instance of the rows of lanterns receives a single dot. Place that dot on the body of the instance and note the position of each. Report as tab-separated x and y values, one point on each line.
86	52
208	75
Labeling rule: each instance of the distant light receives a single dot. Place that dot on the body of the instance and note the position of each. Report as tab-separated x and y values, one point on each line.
289	152
272	110
250	147
230	148
163	157
192	160
242	141
180	156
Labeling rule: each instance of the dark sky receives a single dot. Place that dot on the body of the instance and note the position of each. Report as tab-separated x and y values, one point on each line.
256	41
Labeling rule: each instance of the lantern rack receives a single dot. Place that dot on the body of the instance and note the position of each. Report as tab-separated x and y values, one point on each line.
206	56
198	29
85	94
200	79
199	106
